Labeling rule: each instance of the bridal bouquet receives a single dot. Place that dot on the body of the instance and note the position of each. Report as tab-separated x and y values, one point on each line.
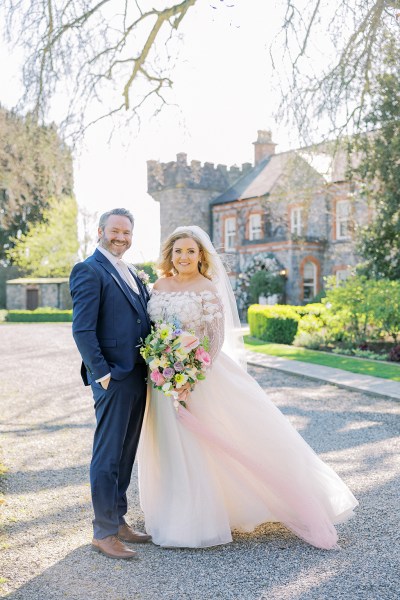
175	357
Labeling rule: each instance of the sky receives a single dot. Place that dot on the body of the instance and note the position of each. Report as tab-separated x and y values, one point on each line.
222	94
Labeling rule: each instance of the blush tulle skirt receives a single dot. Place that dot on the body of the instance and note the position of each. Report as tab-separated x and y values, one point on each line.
232	461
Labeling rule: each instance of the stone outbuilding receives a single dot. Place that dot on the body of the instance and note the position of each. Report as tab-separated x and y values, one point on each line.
31	293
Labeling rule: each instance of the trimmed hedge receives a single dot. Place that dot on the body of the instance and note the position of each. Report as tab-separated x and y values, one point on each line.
316	309
277	323
40	315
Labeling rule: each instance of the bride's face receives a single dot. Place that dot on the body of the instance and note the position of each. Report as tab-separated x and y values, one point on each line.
186	256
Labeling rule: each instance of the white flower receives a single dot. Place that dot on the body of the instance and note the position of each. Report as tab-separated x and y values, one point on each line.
143	276
163	361
154	364
192	372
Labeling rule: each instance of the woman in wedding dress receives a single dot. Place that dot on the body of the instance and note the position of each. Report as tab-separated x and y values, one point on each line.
231	459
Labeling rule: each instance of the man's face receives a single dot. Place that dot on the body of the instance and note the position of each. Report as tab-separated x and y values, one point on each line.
116	237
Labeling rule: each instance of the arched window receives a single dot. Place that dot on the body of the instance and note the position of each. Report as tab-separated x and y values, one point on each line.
309	281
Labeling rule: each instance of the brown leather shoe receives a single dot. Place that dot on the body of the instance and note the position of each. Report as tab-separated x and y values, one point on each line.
112	547
127	534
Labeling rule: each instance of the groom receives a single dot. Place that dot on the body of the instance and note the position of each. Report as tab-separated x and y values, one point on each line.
109	319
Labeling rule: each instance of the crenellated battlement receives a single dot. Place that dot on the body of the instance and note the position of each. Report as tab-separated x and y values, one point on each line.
180	174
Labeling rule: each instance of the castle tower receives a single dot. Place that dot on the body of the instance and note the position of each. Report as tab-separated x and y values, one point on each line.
185	191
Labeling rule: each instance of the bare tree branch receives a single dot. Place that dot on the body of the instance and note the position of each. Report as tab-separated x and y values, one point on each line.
87	49
335	91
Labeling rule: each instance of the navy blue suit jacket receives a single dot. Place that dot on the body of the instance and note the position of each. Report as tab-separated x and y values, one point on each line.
109	319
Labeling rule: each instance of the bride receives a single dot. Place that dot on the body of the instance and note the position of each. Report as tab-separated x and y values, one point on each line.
231	460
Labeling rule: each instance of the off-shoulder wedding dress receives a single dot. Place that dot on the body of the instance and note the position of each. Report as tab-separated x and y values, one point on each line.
232	460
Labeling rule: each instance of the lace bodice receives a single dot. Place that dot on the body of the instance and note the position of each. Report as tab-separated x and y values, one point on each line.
200	312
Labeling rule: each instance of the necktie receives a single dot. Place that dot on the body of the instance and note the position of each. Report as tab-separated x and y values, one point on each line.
127	276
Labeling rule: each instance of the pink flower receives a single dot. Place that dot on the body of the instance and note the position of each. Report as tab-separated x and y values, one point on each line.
203	356
157	377
188	341
168	349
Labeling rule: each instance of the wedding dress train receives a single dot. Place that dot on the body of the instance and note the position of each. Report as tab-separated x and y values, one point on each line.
232	460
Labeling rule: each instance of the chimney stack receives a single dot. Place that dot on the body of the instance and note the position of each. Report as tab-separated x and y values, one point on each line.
264	146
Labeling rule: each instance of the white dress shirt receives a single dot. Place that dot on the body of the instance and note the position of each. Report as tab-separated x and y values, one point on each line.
126	275
121	267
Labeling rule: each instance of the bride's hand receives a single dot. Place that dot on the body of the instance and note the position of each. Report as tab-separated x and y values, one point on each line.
184	392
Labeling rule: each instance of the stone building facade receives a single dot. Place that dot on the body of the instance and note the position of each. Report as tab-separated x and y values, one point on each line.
28	293
296	206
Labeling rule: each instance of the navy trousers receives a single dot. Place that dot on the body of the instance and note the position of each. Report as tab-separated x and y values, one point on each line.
119	415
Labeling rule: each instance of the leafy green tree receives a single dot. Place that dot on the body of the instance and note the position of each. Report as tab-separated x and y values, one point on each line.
265	283
386	306
35	165
366	308
353	303
50	247
379	172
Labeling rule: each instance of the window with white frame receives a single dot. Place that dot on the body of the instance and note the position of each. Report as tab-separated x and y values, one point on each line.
342	219
230	233
255	232
295	220
309	281
342	275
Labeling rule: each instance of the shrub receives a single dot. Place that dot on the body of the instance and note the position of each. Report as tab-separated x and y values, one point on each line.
366	309
386	306
40	315
265	283
360	353
394	354
319	296
312	331
352	301
273	323
345	351
313	340
369	354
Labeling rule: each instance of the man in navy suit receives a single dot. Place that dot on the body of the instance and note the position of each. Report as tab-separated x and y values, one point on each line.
109	320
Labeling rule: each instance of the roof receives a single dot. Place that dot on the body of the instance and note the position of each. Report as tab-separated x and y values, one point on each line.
326	162
239	189
37	280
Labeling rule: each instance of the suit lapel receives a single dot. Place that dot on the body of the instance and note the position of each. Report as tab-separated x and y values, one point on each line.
142	288
143	294
105	263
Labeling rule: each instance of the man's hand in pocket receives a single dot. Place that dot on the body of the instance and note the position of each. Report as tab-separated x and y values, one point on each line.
105	383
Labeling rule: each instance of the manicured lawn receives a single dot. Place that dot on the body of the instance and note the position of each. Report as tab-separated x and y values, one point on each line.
347	363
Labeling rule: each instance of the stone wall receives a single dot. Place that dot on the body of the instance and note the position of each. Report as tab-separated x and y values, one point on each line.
185	191
15	297
55	295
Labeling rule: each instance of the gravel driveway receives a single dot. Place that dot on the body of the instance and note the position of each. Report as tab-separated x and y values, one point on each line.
46	432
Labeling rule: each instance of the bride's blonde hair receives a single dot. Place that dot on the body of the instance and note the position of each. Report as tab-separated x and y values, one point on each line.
165	266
